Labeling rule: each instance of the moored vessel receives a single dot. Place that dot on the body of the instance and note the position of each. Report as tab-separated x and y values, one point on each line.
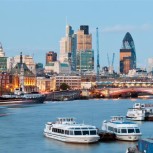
24	98
67	130
123	130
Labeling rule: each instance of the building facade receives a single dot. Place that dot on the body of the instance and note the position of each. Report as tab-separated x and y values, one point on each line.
51	57
3	60
85	54
127	54
27	59
58	67
68	48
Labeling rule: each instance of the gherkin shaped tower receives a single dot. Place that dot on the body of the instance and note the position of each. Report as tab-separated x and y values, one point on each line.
127	54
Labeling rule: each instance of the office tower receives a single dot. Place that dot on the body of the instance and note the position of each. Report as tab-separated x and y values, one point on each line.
127	54
68	48
51	57
3	60
85	54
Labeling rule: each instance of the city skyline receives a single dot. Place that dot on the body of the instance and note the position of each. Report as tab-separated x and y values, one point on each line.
36	27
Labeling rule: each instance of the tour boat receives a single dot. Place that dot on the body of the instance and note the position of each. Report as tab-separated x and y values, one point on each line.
123	130
139	112
67	130
24	98
136	113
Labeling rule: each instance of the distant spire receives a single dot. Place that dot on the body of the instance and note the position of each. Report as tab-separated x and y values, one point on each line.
21	57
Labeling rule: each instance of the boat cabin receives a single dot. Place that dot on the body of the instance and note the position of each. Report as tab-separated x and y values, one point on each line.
68	126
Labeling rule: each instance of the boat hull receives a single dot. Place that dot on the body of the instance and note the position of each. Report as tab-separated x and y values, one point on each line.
9	101
73	139
128	137
136	118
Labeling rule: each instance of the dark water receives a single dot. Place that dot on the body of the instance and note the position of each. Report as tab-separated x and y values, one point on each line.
21	131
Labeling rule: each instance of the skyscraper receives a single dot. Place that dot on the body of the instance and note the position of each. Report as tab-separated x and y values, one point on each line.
127	54
68	48
85	54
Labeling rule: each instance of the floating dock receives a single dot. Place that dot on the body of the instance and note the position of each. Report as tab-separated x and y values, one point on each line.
106	136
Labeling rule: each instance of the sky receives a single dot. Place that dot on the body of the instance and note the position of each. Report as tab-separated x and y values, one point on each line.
35	27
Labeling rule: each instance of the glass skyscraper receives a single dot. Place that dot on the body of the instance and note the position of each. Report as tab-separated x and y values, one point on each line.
127	54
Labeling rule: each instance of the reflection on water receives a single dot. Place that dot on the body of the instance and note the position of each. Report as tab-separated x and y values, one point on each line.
3	111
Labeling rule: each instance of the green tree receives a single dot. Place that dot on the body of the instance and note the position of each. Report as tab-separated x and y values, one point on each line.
64	86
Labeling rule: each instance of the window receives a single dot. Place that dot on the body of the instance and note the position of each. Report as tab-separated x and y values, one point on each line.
85	132
77	133
131	131
137	130
123	131
71	132
118	131
93	132
115	130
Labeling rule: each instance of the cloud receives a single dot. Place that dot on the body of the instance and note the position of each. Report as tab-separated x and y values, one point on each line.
125	28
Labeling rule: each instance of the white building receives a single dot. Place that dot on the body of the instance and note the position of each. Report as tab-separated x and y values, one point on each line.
137	73
28	60
150	64
58	67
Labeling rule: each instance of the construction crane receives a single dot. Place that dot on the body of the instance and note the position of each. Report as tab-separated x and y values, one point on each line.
113	59
98	65
108	60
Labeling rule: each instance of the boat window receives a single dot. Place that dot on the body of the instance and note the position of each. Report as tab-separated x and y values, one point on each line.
123	131
71	132
84	128
118	131
85	132
110	128
77	133
93	132
66	132
62	131
91	128
137	130
115	130
131	131
77	128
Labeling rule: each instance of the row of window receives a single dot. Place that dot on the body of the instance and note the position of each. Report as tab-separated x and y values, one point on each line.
123	130
75	132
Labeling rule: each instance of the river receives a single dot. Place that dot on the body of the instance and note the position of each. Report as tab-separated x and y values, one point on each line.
21	130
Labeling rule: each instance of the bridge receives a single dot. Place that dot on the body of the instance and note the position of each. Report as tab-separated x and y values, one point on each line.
123	92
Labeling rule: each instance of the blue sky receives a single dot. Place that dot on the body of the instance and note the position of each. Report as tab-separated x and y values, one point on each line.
36	26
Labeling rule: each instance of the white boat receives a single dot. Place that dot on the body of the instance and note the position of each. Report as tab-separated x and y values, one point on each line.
123	130
67	130
137	113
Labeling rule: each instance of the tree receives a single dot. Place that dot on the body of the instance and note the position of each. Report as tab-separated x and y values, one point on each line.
64	86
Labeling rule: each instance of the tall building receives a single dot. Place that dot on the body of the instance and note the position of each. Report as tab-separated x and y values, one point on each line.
3	60
84	39
127	54
51	57
85	53
68	48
